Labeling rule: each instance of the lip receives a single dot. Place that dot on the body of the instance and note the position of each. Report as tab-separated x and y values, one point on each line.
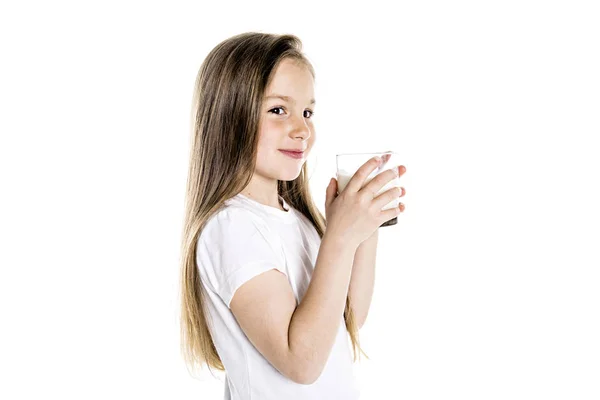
293	154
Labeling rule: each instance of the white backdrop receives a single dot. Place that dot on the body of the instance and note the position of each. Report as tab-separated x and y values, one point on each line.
486	289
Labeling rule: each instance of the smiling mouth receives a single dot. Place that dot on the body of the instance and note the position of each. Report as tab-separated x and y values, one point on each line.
293	154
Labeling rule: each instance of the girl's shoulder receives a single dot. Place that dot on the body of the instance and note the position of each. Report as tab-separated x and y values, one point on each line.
233	219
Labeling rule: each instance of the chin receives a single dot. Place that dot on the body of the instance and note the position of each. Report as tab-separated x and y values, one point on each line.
288	177
289	174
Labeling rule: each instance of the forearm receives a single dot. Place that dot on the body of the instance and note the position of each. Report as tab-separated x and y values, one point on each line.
362	281
315	322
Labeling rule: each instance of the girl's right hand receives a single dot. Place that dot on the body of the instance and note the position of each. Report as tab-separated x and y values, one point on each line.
356	213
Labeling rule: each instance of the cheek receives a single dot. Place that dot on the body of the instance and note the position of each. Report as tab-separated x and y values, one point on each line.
269	135
269	124
266	146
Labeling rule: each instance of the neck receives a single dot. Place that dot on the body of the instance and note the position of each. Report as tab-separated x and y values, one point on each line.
268	201
264	191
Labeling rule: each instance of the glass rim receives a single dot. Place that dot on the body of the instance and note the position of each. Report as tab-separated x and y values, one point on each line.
369	152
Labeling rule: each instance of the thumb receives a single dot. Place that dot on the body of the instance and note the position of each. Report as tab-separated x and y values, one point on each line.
330	192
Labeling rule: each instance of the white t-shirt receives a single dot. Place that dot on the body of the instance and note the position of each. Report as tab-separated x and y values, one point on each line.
244	239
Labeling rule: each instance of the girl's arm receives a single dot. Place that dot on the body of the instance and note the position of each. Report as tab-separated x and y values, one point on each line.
362	281
316	320
297	339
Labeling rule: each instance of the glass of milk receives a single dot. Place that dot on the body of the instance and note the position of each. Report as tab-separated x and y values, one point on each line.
348	163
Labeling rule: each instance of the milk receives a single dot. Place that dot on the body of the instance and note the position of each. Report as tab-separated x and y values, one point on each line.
343	177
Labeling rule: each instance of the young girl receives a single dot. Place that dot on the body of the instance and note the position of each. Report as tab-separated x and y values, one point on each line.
264	287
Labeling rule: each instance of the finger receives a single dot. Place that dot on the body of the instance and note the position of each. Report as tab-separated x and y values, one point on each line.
386	197
385	158
388	214
375	185
360	176
402	170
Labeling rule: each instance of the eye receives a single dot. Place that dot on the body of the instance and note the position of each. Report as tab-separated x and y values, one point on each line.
276	108
281	108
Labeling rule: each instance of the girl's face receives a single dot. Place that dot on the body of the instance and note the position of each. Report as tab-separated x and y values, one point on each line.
286	123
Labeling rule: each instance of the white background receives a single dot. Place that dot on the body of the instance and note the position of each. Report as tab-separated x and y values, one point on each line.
488	287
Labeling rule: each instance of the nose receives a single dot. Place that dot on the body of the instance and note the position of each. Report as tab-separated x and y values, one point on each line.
301	130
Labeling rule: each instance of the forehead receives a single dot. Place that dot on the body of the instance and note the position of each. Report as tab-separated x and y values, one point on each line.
292	81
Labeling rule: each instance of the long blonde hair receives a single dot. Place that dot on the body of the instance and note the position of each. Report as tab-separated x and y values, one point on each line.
225	114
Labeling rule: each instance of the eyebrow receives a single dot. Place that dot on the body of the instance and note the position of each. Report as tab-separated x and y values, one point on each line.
286	98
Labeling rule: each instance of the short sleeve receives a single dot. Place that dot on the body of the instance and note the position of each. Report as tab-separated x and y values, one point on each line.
234	247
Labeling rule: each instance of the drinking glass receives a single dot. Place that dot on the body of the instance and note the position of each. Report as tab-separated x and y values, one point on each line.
348	163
